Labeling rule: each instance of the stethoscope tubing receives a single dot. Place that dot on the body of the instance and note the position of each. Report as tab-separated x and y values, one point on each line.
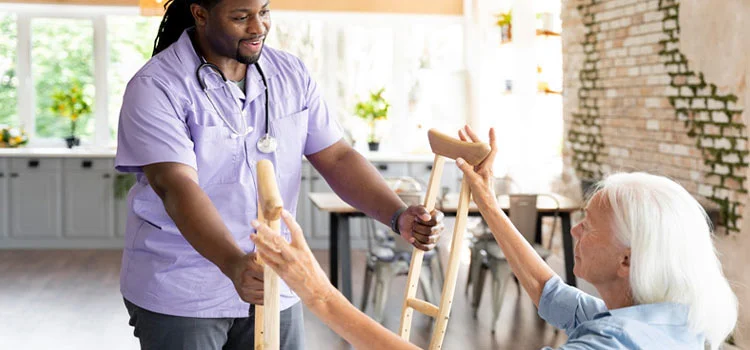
266	144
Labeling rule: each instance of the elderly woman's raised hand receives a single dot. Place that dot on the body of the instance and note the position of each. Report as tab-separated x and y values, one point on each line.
293	262
479	177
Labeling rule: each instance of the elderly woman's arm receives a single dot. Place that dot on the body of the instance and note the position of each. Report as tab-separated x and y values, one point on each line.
297	266
532	272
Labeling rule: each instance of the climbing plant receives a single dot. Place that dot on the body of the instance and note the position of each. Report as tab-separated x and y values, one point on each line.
713	119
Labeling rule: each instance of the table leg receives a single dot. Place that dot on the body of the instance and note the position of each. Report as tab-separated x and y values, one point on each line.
345	254
538	233
570	278
333	249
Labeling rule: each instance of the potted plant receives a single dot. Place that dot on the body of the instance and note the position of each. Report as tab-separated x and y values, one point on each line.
12	137
371	110
504	21
72	104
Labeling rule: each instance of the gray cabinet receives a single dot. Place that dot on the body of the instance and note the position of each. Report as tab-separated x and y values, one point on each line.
70	203
35	194
392	169
4	204
450	179
88	198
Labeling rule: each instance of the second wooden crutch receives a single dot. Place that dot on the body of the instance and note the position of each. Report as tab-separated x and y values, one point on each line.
443	146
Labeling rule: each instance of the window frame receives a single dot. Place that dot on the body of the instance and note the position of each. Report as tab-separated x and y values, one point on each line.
25	13
98	15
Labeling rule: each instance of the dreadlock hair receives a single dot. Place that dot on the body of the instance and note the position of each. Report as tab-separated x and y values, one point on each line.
177	18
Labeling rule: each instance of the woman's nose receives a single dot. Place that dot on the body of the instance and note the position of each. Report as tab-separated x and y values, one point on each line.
576	231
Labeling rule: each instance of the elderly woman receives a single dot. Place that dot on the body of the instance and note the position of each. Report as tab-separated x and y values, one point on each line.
645	244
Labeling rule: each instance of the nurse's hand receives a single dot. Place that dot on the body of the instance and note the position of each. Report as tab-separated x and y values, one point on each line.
247	276
293	262
420	228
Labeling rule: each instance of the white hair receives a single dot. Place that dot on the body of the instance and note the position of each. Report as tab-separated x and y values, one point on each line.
672	256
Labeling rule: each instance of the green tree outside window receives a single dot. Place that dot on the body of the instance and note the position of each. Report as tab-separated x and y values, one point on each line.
8	78
131	42
62	51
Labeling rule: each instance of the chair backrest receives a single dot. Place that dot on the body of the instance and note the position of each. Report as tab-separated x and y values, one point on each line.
505	185
523	214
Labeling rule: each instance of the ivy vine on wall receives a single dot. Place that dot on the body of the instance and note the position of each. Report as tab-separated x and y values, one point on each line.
713	119
584	135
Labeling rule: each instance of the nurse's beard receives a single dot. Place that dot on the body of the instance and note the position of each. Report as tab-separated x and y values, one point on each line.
249	60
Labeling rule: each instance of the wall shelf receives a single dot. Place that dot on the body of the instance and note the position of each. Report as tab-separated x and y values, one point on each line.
544	32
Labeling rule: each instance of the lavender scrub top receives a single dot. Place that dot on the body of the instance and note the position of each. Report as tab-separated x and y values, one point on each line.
166	117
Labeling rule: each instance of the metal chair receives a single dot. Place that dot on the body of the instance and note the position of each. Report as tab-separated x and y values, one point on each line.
487	256
388	255
480	232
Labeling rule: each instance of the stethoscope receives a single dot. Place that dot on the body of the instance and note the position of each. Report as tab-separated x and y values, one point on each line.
266	144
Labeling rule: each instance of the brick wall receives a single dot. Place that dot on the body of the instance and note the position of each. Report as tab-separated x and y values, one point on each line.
633	102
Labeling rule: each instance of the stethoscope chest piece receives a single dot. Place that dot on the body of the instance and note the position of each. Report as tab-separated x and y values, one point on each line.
267	144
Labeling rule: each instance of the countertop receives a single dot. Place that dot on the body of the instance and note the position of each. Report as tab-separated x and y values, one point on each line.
99	152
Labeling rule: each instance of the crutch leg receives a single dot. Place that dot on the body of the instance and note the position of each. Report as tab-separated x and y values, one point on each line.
444	147
269	210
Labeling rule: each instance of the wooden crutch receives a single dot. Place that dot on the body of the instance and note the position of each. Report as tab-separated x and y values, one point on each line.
270	206
443	146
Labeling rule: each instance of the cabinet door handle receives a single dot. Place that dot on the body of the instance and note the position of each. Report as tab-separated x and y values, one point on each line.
106	176
86	164
429	167
34	163
2	175
383	167
13	175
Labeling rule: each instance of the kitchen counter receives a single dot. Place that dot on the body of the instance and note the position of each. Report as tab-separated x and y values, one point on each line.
91	152
57	152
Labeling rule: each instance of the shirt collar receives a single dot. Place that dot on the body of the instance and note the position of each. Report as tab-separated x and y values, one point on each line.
673	314
189	57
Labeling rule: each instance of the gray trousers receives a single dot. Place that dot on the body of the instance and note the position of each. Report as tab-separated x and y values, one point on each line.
165	332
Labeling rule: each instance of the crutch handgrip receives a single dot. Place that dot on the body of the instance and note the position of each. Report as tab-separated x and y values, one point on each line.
268	192
449	147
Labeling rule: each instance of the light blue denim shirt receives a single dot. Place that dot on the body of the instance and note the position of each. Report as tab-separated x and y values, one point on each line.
590	325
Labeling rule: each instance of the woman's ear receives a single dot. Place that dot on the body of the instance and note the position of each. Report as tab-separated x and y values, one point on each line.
624	269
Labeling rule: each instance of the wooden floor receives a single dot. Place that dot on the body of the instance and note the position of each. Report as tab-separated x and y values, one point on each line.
71	300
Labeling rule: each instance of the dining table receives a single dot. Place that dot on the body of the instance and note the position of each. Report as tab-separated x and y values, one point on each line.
548	205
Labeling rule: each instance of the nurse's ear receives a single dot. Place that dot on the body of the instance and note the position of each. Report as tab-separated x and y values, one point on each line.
200	14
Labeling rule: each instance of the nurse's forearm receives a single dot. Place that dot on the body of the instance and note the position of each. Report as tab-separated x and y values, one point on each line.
355	327
196	217
200	223
362	186
357	182
527	265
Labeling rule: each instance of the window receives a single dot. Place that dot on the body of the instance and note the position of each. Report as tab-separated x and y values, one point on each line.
417	59
8	77
62	54
61	46
302	38
131	42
